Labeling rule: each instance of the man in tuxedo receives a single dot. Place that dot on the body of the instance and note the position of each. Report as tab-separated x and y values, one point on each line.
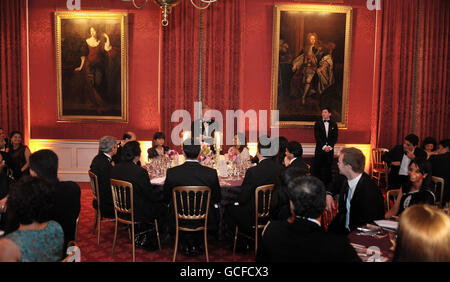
101	166
304	239
399	157
326	135
440	166
294	152
360	199
44	164
147	200
242	213
127	137
203	129
191	173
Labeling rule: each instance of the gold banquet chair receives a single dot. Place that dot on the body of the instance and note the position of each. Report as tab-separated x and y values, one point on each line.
391	194
188	210
98	215
379	167
261	213
438	190
124	210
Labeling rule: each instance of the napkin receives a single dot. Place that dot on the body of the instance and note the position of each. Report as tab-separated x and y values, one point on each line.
387	224
158	181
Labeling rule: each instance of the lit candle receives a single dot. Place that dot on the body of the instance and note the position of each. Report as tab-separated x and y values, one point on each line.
186	135
217	137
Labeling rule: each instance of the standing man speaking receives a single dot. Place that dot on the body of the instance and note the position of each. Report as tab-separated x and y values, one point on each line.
326	135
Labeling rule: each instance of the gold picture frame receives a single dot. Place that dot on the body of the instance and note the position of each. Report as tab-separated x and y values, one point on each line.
92	66
310	54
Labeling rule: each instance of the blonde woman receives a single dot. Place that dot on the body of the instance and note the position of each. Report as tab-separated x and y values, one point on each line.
423	235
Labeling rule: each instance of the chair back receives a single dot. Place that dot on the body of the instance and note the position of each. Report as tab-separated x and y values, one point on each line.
391	193
263	198
122	192
94	185
438	189
376	157
191	202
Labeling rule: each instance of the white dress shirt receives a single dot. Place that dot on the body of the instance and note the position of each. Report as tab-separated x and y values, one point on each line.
351	190
404	165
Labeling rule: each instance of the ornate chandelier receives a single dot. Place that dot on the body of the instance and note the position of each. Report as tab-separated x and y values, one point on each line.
166	6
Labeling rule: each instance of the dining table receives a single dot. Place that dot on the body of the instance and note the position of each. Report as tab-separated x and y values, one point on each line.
373	243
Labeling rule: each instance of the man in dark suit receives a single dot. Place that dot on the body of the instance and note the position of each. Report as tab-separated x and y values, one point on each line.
101	166
304	240
440	166
147	200
242	213
44	164
294	152
127	137
203	129
360	199
191	173
326	135
399	157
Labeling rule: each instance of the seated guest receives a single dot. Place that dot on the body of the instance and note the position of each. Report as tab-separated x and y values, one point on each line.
415	191
158	149
19	155
127	137
44	164
242	213
399	157
3	141
101	166
281	154
148	204
440	166
294	152
304	239
4	180
279	208
423	235
239	147
360	199
37	239
429	145
191	173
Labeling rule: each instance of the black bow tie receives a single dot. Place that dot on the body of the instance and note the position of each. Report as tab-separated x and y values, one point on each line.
326	121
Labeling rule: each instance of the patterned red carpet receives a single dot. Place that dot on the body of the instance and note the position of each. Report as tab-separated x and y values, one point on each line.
91	252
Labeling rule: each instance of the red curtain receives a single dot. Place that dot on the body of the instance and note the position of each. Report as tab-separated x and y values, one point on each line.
432	104
413	89
221	57
13	31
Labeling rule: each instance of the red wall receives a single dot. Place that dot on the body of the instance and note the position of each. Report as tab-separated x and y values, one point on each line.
143	51
144	28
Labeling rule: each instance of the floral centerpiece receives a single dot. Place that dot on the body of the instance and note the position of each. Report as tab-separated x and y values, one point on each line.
206	154
172	156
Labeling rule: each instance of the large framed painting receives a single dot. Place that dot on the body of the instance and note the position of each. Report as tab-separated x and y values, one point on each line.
311	63
92	66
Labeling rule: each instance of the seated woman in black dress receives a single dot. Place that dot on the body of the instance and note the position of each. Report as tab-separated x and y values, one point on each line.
158	149
415	191
19	155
